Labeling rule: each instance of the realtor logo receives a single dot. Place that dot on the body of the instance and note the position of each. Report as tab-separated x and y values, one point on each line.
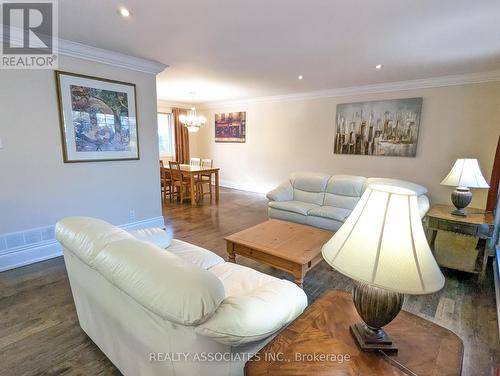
29	34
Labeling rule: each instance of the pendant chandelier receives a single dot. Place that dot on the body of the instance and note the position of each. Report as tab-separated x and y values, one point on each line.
192	121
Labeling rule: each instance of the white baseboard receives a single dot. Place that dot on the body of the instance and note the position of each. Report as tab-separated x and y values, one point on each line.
26	254
29	254
145	223
241	187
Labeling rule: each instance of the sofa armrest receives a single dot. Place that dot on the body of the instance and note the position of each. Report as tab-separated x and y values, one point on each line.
423	205
417	188
256	315
284	192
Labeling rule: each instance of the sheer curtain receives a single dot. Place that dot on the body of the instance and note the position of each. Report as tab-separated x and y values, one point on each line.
166	137
181	137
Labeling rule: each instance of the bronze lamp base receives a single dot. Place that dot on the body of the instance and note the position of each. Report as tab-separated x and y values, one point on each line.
367	342
377	307
461	197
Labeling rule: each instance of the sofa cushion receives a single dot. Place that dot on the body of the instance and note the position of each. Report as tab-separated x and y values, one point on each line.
86	237
324	223
344	202
286	215
309	181
346	185
155	235
239	279
417	188
331	212
344	191
294	206
309	187
162	282
309	197
259	306
195	255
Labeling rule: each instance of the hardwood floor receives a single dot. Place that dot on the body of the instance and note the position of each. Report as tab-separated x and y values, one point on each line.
39	332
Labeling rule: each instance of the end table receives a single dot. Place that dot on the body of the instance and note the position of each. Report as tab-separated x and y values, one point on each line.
319	343
477	223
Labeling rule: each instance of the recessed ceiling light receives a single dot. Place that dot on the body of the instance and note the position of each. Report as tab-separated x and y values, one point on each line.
379	66
124	12
300	77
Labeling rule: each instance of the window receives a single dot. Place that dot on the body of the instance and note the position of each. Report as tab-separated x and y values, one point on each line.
166	135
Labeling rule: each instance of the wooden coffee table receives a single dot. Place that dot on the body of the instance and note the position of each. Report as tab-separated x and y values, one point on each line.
287	246
319	343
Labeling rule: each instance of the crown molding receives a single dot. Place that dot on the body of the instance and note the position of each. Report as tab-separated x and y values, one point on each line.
452	80
169	104
116	59
95	54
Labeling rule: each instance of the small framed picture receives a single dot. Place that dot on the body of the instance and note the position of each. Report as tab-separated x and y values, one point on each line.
98	118
230	127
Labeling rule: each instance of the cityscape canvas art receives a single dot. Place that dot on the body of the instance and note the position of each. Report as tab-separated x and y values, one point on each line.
382	128
98	118
230	127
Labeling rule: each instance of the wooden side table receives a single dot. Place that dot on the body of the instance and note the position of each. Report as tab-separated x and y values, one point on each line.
477	223
319	343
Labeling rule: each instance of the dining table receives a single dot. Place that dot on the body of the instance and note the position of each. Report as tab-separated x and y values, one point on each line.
192	172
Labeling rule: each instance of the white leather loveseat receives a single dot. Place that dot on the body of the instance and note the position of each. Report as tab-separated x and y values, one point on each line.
326	201
157	306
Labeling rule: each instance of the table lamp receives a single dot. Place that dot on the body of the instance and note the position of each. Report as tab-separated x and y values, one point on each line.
382	246
465	174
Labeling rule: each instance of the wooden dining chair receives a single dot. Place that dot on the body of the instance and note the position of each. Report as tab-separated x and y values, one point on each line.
166	183
161	163
206	178
207	163
180	185
180	181
195	161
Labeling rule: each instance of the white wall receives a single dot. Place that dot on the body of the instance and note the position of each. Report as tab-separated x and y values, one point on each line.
282	137
164	107
37	188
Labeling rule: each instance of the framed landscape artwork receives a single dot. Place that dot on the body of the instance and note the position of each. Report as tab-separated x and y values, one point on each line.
98	118
383	128
230	127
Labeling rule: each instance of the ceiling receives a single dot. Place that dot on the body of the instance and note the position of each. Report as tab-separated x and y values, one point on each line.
238	49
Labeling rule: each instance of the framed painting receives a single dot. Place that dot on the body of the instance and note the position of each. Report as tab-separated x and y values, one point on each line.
230	127
98	118
382	128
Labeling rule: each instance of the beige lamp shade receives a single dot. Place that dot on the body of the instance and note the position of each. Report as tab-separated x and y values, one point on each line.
382	243
465	173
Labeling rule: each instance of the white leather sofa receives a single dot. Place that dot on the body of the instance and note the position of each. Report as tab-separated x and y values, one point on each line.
326	201
157	306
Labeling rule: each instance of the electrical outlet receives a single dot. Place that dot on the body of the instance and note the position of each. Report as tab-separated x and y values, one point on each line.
131	214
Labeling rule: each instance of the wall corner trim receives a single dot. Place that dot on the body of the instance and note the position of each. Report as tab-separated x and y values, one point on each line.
31	253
